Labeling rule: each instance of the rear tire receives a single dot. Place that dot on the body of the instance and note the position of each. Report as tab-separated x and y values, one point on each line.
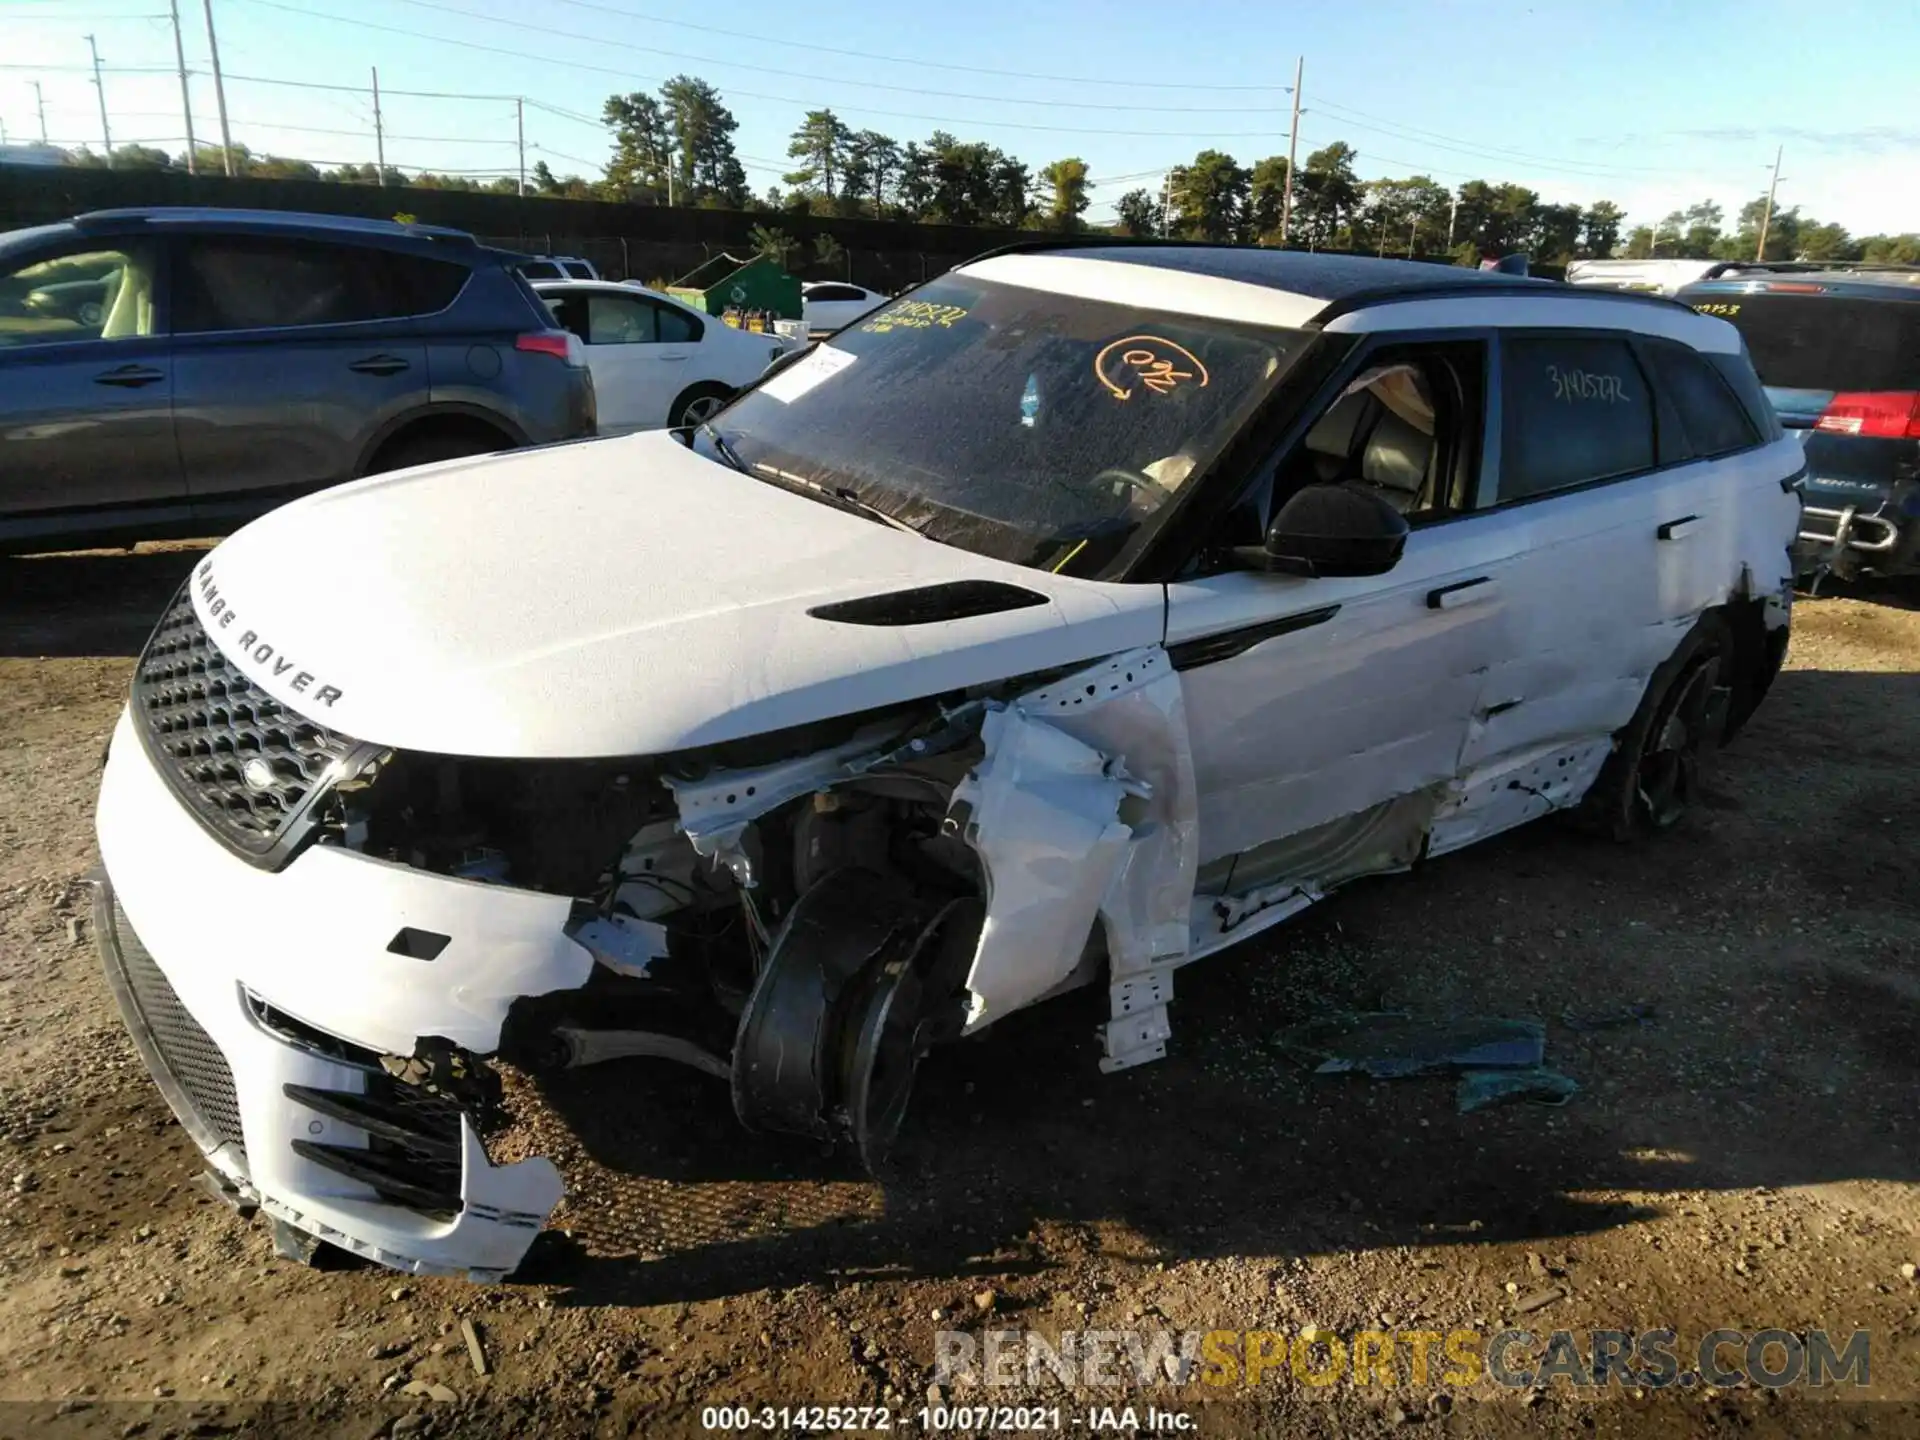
1652	778
698	403
426	449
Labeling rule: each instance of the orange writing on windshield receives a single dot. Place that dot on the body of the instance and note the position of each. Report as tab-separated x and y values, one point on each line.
1149	360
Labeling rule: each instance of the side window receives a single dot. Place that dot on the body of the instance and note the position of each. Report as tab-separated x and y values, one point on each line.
678	327
246	282
619	320
569	312
1407	425
1577	409
541	270
579	270
1712	420
98	294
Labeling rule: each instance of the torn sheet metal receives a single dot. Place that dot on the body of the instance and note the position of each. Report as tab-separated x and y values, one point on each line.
1125	719
622	944
1524	787
1389	1046
1042	811
716	810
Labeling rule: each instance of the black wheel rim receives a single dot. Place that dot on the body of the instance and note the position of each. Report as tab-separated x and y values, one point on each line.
1670	760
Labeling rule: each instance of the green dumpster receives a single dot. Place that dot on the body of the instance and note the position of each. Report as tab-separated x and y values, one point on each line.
728	283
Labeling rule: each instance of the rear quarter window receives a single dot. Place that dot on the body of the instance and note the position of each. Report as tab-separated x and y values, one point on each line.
1712	419
1576	410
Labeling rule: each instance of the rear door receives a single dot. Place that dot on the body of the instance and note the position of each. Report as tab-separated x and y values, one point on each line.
637	350
290	354
86	385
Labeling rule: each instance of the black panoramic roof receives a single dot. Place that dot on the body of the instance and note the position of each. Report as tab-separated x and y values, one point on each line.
1345	282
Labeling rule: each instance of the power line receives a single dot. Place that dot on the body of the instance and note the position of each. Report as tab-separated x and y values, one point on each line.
1131	107
1576	167
1128	83
629	76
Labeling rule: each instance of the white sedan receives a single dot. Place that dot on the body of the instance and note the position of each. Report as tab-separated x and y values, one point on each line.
827	305
656	362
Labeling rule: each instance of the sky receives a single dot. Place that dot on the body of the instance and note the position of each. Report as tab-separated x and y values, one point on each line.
1652	104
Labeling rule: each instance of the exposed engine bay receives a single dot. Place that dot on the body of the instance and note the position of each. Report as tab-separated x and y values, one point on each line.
806	914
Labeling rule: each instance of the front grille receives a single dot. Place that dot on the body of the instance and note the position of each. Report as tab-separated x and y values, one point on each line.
188	1067
204	723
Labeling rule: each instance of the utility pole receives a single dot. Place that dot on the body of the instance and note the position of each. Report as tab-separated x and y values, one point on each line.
520	134
40	102
1453	216
219	89
379	133
106	133
1413	230
1293	150
1766	215
186	101
1166	204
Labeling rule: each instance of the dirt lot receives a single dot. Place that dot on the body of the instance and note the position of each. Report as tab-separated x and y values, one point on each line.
1745	1159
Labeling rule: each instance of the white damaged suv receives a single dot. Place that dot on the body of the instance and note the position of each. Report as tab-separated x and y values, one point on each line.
1072	617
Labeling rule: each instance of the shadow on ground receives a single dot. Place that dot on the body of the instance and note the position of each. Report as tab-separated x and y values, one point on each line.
1771	936
90	603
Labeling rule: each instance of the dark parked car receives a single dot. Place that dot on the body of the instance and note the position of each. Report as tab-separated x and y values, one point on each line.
1839	352
178	371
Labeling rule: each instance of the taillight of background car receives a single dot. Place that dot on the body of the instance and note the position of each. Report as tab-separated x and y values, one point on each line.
1890	414
563	345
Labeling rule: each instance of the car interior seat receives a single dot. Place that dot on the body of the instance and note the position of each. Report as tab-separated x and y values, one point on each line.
130	313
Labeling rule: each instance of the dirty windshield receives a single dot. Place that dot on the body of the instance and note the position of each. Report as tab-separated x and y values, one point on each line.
1026	425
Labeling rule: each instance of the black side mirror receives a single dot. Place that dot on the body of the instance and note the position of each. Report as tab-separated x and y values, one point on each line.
1331	530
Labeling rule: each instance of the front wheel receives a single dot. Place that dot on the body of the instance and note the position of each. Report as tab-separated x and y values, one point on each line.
698	405
1652	778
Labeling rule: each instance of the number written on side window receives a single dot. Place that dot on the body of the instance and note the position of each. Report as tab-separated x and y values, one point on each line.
1577	410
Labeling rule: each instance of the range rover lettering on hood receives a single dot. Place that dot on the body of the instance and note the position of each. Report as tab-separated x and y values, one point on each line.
221	615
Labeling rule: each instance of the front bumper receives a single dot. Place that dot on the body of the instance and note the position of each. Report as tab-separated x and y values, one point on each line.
198	945
1845	540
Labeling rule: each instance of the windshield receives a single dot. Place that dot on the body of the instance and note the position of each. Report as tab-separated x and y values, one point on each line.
1029	426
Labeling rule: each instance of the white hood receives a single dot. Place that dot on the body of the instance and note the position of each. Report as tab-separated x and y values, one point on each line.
618	597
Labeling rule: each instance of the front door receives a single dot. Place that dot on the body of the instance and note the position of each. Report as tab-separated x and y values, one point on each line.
1311	700
86	387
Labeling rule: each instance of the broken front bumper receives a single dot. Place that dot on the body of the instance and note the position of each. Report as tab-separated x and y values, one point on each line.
263	1002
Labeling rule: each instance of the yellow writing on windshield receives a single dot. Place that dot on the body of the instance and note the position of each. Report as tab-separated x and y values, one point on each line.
1148	361
1716	309
915	315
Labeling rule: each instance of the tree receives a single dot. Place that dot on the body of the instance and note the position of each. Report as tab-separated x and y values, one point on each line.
141	157
703	142
775	244
1210	198
1138	212
916	181
1403	215
1065	185
964	188
1891	249
1266	199
642	147
828	252
1010	182
1640	243
1602	233
872	161
824	144
1555	233
1327	195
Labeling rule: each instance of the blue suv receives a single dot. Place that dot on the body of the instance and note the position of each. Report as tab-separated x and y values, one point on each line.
170	372
1838	349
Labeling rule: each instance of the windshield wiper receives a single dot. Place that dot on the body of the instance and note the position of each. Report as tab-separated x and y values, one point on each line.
839	496
722	448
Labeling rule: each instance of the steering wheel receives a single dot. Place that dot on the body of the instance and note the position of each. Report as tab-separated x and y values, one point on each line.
1132	479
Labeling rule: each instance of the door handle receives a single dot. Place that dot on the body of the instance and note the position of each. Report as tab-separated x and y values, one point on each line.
130	376
1679	529
1466	592
378	365
672	359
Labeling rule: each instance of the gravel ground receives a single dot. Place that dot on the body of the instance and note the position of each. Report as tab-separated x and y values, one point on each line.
1743	1158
